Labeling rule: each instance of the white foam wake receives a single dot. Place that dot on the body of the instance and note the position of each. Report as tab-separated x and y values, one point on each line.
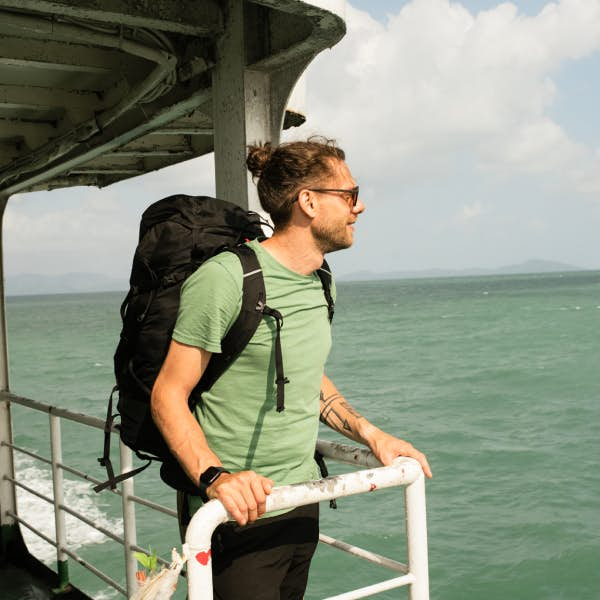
79	496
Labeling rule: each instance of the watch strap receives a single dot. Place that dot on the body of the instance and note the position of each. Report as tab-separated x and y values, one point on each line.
207	478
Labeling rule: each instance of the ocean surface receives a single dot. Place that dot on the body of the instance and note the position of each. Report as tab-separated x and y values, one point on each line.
497	379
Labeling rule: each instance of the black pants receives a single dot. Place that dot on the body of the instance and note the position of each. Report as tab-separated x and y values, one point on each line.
265	560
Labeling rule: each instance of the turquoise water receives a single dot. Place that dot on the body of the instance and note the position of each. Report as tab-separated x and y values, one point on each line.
495	378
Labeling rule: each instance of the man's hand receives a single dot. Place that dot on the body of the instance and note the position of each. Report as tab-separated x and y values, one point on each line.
243	494
386	448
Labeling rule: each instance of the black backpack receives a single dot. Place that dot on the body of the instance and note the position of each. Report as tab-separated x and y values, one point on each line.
177	234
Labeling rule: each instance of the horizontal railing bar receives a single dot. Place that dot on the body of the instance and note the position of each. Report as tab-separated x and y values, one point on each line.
67	468
32	528
339	452
138	499
72	512
153	505
106	532
350	455
55	410
378	559
376	588
74	556
27	452
29	489
95	571
87	477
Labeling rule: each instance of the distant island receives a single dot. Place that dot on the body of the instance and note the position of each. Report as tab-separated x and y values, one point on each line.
527	267
27	284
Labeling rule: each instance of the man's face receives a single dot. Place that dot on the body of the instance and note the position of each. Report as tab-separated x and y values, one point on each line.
333	228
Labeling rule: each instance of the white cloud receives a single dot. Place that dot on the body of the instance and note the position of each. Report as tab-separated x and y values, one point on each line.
435	81
471	211
538	224
57	232
539	146
62	238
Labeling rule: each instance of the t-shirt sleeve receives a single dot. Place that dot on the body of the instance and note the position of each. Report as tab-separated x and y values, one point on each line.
210	302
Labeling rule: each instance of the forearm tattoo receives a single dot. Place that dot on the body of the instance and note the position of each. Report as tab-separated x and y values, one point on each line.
335	412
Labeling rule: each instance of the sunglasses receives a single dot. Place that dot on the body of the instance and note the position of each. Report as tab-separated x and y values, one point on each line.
350	196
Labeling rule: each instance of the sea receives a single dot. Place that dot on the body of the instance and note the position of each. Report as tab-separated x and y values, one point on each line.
495	378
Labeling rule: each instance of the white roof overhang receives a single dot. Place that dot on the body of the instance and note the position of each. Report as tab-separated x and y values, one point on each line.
96	91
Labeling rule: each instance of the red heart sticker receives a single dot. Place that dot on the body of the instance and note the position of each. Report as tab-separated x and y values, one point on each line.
203	557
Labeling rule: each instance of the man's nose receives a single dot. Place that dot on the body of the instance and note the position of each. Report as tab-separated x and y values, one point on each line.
359	207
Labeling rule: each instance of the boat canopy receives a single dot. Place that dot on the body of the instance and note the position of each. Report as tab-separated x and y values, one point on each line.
94	92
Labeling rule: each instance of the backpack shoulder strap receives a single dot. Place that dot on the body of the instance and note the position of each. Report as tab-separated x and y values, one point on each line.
326	277
254	297
252	310
244	327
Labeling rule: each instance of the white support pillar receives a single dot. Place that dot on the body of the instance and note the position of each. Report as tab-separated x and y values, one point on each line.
8	500
257	122
248	107
229	114
4	379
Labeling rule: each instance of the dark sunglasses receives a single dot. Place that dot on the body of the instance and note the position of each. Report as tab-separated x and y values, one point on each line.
351	195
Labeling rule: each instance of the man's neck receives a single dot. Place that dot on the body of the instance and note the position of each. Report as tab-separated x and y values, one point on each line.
294	250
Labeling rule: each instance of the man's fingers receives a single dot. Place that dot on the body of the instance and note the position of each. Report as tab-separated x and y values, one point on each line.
234	504
251	503
267	485
394	447
426	467
259	497
422	461
243	494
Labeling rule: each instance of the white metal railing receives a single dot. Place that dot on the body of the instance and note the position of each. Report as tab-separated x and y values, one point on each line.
404	472
129	499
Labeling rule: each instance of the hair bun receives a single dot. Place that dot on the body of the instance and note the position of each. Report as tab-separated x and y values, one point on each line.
258	157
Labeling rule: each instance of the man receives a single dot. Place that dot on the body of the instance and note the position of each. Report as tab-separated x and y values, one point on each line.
237	445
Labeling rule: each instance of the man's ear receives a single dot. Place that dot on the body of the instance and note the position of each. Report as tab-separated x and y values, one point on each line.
307	203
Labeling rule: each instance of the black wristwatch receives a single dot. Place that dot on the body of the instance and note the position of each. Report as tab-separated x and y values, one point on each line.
207	478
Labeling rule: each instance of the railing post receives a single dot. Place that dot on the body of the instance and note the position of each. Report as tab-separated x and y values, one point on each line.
8	498
62	564
416	533
197	547
129	526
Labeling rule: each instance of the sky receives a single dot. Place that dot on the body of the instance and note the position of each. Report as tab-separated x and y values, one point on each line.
472	128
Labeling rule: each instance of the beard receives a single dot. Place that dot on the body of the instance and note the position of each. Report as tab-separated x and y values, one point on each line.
332	237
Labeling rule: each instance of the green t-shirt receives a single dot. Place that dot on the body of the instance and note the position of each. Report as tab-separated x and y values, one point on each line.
238	414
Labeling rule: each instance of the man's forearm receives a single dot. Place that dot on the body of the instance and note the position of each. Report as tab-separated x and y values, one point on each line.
181	371
337	413
183	434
